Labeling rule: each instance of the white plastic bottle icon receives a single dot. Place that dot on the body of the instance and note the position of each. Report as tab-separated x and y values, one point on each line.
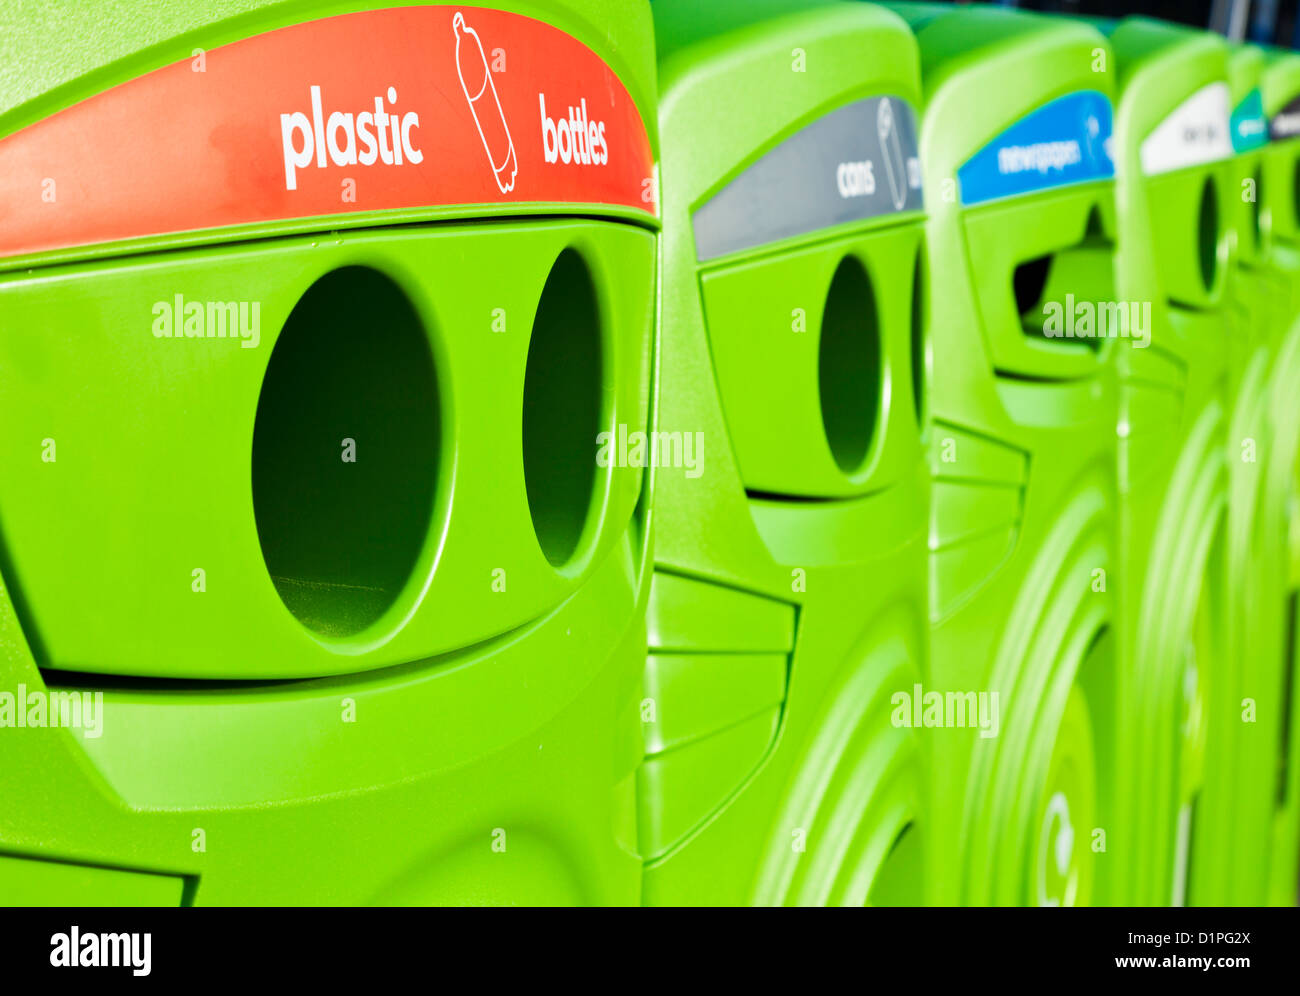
892	152
481	93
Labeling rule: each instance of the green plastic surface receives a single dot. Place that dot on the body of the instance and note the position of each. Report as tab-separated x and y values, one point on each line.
1263	862
356	615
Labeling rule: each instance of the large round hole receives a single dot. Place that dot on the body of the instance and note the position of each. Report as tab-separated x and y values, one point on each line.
1295	191
562	407
919	352
849	365
345	451
1208	234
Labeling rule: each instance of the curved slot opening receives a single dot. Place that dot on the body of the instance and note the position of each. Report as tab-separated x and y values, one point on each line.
849	365
1028	282
345	451
920	344
562	407
1066	298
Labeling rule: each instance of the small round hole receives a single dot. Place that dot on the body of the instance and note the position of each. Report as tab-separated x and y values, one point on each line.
1208	234
919	360
562	408
345	451
849	365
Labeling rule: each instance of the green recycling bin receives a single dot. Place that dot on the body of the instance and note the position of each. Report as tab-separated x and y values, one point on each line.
1015	139
1264	858
787	606
1175	180
1257	302
317	587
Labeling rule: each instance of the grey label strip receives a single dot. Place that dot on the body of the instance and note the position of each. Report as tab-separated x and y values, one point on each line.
1286	122
857	162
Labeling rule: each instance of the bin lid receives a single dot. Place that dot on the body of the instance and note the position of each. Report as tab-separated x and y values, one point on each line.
1015	102
1249	123
781	118
1174	103
199	122
1280	87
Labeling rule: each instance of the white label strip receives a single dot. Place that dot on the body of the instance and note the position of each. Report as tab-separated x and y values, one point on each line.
1194	132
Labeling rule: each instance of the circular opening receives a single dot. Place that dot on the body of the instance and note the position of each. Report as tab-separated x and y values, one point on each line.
1208	233
1295	191
920	365
562	407
345	451
1061	867
1256	209
849	365
1060	851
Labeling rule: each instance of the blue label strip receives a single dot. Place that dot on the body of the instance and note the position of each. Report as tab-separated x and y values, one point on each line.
1249	125
1065	141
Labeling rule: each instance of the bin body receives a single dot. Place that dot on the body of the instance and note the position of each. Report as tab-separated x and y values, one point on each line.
305	398
1014	141
787	606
